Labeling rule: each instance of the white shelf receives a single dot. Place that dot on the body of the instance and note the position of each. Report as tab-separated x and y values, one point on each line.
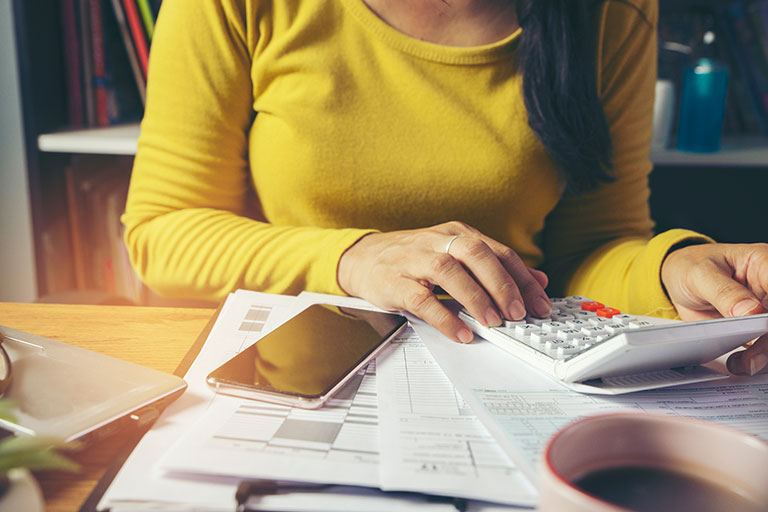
740	152
121	140
112	140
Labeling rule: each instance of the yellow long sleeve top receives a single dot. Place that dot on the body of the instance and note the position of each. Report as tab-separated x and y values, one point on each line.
278	132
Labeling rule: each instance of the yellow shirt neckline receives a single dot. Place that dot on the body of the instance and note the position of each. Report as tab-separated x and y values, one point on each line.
460	55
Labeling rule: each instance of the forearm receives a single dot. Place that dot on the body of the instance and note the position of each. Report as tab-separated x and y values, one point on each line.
206	253
626	273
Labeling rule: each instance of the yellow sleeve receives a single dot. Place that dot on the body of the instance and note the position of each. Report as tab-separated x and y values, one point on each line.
601	244
187	226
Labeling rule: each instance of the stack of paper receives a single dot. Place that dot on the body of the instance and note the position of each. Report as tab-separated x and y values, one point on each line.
400	425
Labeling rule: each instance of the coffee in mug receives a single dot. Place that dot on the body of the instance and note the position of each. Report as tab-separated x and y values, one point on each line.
644	462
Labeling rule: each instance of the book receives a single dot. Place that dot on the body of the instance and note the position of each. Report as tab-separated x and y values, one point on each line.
137	34
130	49
57	264
99	66
758	19
87	62
125	104
72	61
747	58
97	188
147	17
75	228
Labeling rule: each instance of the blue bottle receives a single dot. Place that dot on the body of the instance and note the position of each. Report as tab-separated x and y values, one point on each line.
702	104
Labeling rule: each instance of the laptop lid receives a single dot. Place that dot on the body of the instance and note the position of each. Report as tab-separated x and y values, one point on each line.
70	392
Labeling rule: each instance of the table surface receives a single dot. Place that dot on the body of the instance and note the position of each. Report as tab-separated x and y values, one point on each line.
154	337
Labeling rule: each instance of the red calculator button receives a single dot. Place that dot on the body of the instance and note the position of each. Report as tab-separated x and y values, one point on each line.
608	312
592	305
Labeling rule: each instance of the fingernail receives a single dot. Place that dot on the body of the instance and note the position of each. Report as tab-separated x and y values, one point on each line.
516	310
465	335
744	307
735	364
757	363
542	307
492	318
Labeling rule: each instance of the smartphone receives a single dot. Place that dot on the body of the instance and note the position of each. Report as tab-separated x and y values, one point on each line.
304	361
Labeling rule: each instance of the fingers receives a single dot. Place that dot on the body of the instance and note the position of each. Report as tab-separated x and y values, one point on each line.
422	302
751	361
540	277
513	286
488	287
728	296
401	270
712	280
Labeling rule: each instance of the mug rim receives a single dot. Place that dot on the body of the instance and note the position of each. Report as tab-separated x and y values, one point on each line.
651	417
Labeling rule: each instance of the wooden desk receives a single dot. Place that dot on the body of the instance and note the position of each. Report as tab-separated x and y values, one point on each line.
154	337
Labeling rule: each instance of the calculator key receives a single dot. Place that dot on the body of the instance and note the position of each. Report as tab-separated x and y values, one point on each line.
561	317
615	329
576	300
607	312
566	350
537	321
593	331
567	334
577	323
553	326
526	329
637	324
540	337
584	314
623	318
600	321
583	341
592	305
511	324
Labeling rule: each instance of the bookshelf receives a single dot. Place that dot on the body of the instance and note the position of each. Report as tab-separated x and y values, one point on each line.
749	152
111	140
716	193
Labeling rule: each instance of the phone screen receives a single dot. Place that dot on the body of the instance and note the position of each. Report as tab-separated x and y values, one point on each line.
309	354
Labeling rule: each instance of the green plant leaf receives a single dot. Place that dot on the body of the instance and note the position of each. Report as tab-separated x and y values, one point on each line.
6	406
47	459
35	452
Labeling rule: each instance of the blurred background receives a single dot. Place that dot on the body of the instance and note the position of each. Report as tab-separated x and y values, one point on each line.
72	82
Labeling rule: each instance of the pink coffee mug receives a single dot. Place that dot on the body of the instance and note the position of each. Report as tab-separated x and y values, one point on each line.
637	461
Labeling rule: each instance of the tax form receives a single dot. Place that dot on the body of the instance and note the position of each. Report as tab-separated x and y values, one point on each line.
522	407
142	483
430	438
351	441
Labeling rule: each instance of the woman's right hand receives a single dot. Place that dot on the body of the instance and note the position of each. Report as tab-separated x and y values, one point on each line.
400	269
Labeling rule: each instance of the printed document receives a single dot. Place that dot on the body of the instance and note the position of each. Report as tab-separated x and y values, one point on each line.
340	443
522	407
140	482
430	438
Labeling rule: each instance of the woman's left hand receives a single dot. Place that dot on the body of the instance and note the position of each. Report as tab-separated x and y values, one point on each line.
721	280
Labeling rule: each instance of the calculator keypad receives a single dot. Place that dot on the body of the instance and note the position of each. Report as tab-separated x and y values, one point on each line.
574	325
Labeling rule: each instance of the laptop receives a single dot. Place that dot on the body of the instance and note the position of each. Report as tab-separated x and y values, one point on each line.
72	393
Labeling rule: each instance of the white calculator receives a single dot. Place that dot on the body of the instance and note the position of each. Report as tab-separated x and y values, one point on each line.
593	348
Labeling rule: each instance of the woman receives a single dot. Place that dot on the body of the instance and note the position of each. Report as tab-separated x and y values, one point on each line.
381	148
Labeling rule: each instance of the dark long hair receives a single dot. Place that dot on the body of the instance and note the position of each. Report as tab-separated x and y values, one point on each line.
558	60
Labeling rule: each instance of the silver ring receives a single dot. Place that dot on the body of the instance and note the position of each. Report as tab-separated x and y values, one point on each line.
448	245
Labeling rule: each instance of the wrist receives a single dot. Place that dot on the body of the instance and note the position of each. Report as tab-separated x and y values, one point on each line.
667	272
346	273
